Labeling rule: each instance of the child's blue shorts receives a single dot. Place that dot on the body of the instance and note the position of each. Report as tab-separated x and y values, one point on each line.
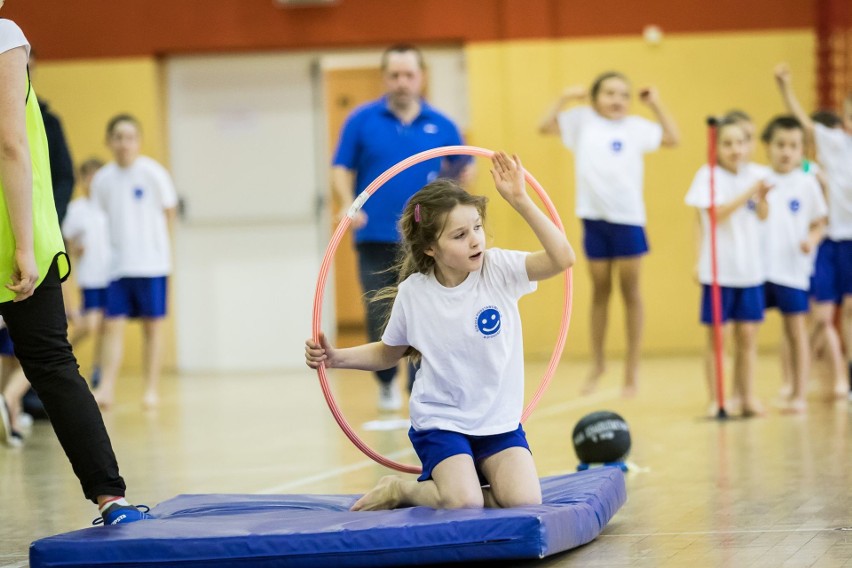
605	240
94	299
738	304
6	347
434	446
137	297
832	277
787	300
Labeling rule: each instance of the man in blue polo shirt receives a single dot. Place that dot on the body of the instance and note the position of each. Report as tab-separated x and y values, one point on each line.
376	136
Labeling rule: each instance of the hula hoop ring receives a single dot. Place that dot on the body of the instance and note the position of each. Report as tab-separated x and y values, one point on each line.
329	257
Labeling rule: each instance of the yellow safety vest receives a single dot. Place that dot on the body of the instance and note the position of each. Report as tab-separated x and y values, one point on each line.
47	237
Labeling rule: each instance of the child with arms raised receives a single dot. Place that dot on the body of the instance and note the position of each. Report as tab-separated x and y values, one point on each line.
456	309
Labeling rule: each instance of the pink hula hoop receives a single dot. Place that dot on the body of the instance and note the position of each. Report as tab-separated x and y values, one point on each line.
329	257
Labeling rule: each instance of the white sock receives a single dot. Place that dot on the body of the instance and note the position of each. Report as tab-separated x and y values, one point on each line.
117	501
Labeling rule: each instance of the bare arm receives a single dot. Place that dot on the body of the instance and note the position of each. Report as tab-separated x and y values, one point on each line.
784	79
16	169
342	188
549	123
671	134
557	255
815	235
374	356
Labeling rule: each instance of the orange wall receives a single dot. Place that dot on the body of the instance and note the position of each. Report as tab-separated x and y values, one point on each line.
60	29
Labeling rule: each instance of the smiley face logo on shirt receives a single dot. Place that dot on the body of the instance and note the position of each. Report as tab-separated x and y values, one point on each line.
617	145
488	321
795	205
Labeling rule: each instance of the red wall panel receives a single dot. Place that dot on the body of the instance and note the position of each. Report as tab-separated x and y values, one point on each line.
115	28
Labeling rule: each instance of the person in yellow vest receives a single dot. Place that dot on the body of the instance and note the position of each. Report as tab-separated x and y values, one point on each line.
33	264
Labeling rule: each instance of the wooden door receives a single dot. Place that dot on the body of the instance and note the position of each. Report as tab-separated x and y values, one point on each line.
345	90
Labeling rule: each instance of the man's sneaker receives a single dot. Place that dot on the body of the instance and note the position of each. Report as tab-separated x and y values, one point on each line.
121	514
389	397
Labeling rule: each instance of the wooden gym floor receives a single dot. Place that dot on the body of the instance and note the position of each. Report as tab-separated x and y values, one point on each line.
773	491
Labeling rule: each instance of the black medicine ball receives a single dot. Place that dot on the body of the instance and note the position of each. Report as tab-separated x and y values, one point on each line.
601	437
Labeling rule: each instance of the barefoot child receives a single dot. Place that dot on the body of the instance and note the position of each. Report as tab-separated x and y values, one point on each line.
456	309
792	231
609	147
834	154
740	206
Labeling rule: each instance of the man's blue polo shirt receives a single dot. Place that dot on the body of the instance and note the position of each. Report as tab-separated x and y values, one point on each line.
374	139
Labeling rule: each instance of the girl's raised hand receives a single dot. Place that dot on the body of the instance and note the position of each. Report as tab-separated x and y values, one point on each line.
508	174
783	76
649	95
317	353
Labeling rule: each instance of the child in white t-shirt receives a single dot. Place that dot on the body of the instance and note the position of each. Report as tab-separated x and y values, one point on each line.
834	154
87	239
456	310
740	199
609	146
792	232
139	199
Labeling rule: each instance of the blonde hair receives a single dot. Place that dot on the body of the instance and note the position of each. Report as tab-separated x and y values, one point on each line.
423	220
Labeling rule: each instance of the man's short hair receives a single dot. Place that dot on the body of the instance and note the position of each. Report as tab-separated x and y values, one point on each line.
403	48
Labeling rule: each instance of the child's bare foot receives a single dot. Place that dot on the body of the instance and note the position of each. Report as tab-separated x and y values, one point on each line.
752	408
794	406
104	398
713	409
785	392
151	400
630	390
734	405
383	496
840	390
592	380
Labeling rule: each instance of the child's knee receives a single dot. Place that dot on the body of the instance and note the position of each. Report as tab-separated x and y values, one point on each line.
462	498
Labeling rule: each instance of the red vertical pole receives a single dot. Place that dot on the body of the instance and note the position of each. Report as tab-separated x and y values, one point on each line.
715	290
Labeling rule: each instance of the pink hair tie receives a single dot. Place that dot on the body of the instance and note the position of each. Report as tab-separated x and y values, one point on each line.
417	213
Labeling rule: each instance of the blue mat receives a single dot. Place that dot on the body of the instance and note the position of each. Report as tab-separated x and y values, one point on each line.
318	530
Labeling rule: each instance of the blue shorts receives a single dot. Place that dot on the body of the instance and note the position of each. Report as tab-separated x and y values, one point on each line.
787	300
94	298
137	297
6	347
604	240
738	304
434	446
832	277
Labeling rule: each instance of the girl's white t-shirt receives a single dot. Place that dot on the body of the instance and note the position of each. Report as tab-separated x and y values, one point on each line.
609	163
834	153
86	223
471	378
135	199
738	238
11	36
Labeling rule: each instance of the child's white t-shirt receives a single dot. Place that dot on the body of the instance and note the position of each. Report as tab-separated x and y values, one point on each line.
86	223
834	153
609	163
135	199
471	378
739	253
11	36
795	201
